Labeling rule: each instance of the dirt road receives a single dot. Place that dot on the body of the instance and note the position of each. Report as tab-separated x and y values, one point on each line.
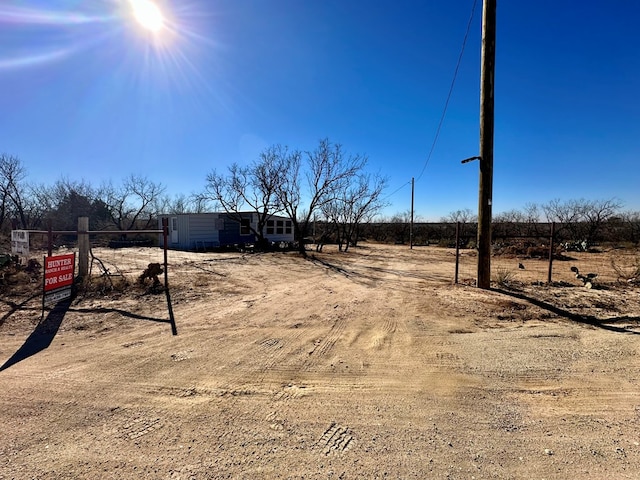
369	364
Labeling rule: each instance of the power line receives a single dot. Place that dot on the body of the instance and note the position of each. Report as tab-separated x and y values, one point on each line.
396	190
444	112
453	81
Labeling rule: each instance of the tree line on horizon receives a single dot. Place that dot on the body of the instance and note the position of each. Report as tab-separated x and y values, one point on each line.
326	186
576	220
326	182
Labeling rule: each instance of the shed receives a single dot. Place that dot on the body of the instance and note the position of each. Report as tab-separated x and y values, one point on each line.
198	231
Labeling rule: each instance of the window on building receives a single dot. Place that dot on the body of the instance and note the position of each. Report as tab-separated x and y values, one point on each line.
287	227
270	226
279	227
245	226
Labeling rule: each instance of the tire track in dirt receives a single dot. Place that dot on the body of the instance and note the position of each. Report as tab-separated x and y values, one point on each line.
140	426
322	347
128	424
335	439
441	351
270	360
263	356
311	359
385	332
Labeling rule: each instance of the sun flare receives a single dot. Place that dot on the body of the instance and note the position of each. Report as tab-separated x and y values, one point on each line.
148	14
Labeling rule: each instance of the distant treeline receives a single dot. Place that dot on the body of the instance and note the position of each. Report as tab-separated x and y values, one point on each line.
327	193
443	234
588	221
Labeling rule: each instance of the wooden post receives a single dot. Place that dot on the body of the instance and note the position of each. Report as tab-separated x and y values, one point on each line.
551	248
49	239
83	247
486	143
411	225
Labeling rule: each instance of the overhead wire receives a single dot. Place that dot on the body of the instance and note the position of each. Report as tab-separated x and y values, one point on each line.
453	81
446	105
396	190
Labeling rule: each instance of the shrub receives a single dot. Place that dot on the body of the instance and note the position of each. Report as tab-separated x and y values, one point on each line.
628	273
503	277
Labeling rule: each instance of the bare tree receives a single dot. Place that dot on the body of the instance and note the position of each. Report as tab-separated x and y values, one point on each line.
399	226
510	216
596	214
631	223
66	200
178	204
356	202
131	204
531	212
328	169
252	188
567	215
201	204
532	217
13	191
581	219
508	224
525	222
465	215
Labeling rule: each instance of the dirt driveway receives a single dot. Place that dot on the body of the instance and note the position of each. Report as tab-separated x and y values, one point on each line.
369	364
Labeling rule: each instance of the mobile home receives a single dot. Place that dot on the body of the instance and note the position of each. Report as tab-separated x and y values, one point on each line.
198	231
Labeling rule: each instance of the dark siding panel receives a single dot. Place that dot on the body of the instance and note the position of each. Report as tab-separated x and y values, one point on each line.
230	234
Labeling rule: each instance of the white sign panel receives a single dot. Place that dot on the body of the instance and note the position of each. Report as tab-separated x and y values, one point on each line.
20	242
57	295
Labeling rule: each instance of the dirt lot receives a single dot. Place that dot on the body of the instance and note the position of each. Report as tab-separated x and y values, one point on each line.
369	364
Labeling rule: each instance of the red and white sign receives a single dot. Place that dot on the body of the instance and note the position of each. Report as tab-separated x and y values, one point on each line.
58	271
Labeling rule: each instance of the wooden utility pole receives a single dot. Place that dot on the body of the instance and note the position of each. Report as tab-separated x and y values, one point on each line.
487	77
411	225
83	247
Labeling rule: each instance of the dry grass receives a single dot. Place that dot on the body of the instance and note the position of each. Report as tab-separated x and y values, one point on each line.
105	284
504	277
626	271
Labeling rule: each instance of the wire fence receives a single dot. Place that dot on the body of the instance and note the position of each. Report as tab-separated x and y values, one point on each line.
102	268
603	265
515	258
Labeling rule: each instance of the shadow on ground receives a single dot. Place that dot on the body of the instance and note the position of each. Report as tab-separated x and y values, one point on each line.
42	336
46	330
14	307
603	323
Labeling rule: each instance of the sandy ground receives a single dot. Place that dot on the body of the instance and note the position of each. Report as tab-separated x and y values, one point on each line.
369	364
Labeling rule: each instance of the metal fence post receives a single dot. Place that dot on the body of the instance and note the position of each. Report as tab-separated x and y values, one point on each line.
165	243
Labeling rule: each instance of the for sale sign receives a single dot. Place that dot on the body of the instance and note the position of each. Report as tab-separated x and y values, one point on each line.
58	277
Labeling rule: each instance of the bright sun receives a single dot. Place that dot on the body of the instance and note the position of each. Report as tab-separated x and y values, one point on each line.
148	14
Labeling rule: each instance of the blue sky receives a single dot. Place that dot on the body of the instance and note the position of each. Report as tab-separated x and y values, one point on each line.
86	93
